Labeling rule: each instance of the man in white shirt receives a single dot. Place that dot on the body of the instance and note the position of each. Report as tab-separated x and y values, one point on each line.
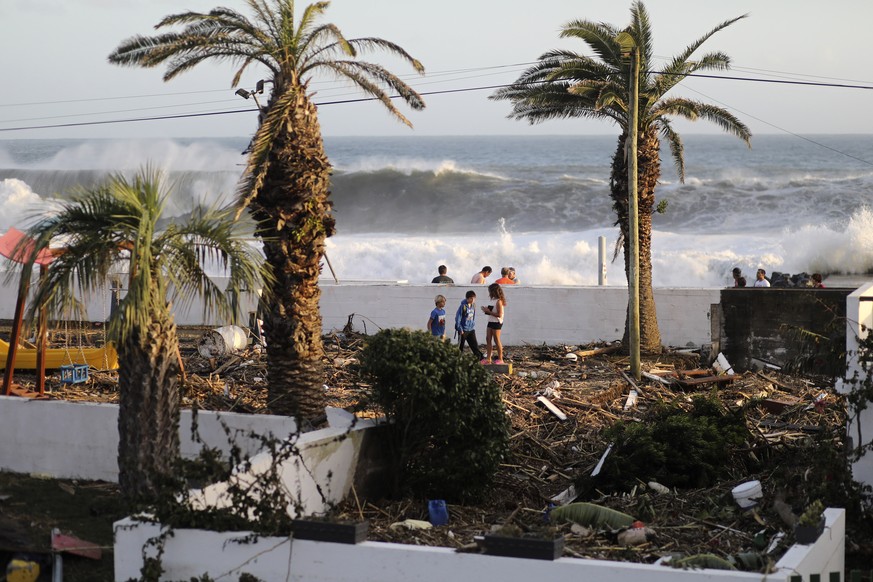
761	279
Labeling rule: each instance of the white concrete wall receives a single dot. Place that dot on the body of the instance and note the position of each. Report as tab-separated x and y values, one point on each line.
191	553
534	314
318	476
859	321
75	440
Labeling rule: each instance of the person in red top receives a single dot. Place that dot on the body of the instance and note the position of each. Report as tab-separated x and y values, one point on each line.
816	281
508	277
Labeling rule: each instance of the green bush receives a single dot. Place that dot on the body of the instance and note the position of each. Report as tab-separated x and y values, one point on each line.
674	446
448	427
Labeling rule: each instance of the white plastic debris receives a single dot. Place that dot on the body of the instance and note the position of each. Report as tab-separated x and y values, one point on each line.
572	357
631	400
411	524
657	487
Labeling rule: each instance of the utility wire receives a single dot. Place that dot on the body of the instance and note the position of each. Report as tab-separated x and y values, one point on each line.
782	129
428	93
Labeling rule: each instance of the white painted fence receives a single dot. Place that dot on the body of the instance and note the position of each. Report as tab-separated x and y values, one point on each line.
192	553
859	321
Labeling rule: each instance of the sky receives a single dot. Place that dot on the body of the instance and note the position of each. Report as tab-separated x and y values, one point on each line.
55	71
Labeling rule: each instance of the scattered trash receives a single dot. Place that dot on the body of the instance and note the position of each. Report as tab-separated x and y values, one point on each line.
631	400
656	378
73	545
599	466
222	341
657	487
411	524
566	496
779	405
552	408
722	366
581	530
592	515
748	494
636	536
20	570
437	511
572	357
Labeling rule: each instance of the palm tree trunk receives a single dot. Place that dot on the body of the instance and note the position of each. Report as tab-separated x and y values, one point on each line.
649	171
148	415
293	215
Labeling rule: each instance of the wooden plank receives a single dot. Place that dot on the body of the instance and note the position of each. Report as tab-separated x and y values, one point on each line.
597	351
659	379
552	408
707	380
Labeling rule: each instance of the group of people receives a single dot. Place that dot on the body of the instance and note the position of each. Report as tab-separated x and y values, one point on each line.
465	323
507	276
761	280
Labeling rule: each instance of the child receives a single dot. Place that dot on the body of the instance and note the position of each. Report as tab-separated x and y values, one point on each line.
465	324
495	322
436	323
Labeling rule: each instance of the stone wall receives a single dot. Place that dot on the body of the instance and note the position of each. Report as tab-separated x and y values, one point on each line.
757	327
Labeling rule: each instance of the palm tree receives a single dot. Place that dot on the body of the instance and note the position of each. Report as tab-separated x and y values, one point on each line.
565	84
118	223
286	182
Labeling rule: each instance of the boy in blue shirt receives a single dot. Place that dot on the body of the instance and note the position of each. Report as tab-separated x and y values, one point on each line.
436	323
465	324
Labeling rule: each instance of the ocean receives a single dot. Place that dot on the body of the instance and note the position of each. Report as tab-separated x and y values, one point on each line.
405	205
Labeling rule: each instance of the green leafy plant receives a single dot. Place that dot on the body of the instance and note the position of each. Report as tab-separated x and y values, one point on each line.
674	446
812	515
447	424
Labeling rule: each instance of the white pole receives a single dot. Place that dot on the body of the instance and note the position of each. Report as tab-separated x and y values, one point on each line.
601	260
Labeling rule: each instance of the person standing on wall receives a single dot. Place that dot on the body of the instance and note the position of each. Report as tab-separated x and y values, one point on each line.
442	278
508	277
761	279
479	278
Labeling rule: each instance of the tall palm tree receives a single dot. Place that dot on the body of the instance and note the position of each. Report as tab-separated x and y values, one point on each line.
119	224
565	84
286	182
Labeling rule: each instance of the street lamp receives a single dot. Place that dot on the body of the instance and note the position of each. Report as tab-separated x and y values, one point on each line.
253	94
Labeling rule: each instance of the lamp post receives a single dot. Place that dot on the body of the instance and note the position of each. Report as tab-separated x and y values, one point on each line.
629	48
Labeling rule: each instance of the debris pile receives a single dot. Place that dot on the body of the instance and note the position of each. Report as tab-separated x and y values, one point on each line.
560	402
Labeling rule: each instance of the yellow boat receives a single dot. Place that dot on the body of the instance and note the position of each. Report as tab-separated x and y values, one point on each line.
104	358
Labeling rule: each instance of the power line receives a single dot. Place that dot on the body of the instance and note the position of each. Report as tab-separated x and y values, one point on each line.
427	93
782	129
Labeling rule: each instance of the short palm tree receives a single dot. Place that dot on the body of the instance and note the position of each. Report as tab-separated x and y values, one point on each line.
119	224
286	182
565	84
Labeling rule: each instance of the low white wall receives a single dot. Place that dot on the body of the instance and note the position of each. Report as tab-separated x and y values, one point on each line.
192	553
75	440
534	314
859	321
318	476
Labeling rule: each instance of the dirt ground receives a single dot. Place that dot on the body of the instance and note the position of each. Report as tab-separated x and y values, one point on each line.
547	456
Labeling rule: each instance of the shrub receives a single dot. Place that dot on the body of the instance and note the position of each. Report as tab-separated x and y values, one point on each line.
448	429
674	446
